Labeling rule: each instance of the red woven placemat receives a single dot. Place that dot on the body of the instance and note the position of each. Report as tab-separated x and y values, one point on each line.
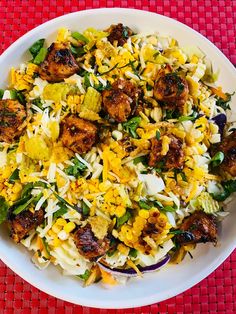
214	19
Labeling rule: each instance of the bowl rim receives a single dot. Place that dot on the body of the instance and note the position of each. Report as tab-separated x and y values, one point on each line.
132	302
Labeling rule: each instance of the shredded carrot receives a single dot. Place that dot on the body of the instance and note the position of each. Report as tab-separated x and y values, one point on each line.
107	278
40	243
218	92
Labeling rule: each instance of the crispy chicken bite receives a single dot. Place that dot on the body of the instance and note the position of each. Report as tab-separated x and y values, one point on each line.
23	223
59	63
228	147
174	159
12	116
78	134
198	228
119	100
171	89
88	245
119	33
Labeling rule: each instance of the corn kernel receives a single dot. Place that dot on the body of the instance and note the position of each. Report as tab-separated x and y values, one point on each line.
69	227
56	228
143	213
57	242
61	222
51	233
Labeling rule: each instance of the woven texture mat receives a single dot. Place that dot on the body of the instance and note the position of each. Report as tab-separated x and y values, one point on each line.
214	19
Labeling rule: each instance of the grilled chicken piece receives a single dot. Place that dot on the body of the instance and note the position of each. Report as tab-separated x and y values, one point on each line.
228	147
119	100
198	228
78	134
23	223
12	116
174	159
59	63
119	33
171	89
88	245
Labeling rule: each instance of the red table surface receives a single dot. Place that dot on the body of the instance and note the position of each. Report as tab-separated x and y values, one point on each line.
214	19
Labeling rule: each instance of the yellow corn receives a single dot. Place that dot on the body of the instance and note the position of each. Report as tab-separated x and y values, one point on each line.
69	227
144	213
56	228
61	222
57	242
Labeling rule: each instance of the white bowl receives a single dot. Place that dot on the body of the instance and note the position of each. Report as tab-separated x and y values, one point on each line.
171	280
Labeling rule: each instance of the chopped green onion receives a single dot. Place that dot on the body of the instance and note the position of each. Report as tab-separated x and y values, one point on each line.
123	219
35	48
79	36
217	159
40	56
144	205
3	209
84	276
23	207
14	176
133	253
85	209
60	212
158	135
1	93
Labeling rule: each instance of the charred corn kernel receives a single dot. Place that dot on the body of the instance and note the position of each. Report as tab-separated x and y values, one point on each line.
143	213
61	222
70	226
123	249
56	242
56	228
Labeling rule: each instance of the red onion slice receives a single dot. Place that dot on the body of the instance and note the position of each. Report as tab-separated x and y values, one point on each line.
130	272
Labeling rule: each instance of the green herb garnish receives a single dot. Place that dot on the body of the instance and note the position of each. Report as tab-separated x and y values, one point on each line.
14	176
35	48
85	209
40	56
217	159
3	209
76	170
131	126
80	37
121	220
144	205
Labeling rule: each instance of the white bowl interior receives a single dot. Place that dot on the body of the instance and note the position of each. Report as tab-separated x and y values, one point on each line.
171	280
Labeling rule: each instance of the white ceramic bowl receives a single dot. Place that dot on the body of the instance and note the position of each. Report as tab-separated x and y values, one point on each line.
154	287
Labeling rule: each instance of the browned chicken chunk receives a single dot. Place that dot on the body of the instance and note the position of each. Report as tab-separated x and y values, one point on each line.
174	157
88	245
23	223
59	63
172	90
78	134
228	147
119	100
198	228
12	116
119	34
